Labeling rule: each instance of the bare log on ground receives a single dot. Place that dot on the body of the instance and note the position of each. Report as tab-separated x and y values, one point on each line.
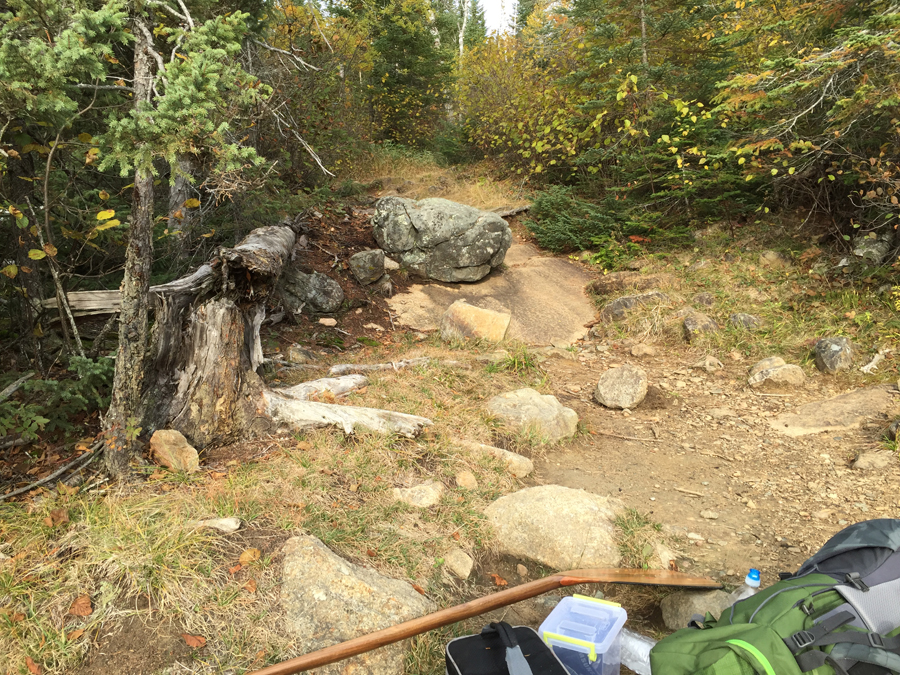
206	349
295	414
345	368
337	386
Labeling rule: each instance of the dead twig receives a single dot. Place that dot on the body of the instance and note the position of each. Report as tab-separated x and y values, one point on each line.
89	456
628	438
689	492
14	387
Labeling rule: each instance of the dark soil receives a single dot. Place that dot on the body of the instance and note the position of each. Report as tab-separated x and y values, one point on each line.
136	645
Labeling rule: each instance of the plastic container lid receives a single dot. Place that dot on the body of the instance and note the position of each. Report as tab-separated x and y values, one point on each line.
752	579
584	624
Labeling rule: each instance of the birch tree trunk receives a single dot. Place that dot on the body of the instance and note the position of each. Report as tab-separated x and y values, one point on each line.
129	377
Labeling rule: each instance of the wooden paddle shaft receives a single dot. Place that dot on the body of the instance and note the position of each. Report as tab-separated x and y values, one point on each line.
444	617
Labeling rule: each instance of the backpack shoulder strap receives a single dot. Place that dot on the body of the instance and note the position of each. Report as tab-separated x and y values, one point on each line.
515	659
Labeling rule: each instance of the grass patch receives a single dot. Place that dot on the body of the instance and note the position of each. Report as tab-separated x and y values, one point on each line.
637	535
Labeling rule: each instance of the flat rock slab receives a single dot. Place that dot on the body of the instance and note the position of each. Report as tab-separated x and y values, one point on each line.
526	410
847	411
557	526
327	600
544	295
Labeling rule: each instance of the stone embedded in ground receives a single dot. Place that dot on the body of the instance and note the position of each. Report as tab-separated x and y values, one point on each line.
892	433
383	286
834	354
169	448
679	607
466	480
618	309
619	281
774	259
391	265
528	411
424	495
709	363
440	239
227	525
720	413
663	556
314	292
298	354
521	570
709	515
699	265
644	350
327	600
706	299
544	353
459	563
328	321
746	321
462	320
840	413
557	526
874	461
696	324
766	364
367	266
516	464
621	388
787	375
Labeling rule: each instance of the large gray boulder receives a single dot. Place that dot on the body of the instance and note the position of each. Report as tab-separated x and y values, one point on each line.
327	600
557	526
834	354
440	239
621	388
526	410
314	292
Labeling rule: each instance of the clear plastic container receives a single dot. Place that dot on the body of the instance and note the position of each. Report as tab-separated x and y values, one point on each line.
635	651
584	633
748	588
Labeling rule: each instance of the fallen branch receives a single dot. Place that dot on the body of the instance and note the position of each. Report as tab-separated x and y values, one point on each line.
872	365
628	438
347	368
313	415
14	387
513	212
338	386
689	492
89	456
6	445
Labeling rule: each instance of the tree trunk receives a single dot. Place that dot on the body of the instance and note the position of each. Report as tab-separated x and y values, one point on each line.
644	58
127	384
181	217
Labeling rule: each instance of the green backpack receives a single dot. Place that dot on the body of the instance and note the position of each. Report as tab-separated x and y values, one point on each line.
838	615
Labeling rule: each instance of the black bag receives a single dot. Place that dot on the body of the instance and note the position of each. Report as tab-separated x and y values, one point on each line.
501	649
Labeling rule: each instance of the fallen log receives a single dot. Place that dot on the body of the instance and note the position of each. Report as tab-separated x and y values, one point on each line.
337	386
345	368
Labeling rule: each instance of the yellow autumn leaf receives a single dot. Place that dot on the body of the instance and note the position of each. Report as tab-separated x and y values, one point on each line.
106	215
108	225
36	254
50	250
103	194
10	270
85	137
192	203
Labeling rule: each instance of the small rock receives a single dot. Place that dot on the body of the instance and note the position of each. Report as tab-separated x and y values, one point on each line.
751	504
170	449
709	515
693	536
679	608
793	549
720	413
710	364
892	433
391	265
384	286
869	461
423	496
317	292
462	320
696	324
622	388
834	354
226	525
786	375
525	410
665	555
459	563
748	321
644	350
516	464
367	266
824	514
735	355
774	259
374	326
298	354
522	571
766	364
699	265
618	309
327	321
705	299
466	480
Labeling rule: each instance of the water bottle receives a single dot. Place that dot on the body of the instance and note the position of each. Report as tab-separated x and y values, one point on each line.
748	588
635	651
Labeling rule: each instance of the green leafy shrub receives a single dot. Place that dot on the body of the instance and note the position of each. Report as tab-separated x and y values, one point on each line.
560	221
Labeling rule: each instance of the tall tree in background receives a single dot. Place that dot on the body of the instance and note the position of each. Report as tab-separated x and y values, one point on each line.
476	28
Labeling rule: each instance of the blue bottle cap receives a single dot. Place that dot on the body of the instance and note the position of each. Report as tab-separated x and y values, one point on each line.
753	574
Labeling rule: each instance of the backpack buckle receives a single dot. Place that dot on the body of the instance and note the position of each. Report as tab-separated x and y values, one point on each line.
875	640
802	639
807	608
854	580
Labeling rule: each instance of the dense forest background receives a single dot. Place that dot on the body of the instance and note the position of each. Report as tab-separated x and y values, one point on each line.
137	138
